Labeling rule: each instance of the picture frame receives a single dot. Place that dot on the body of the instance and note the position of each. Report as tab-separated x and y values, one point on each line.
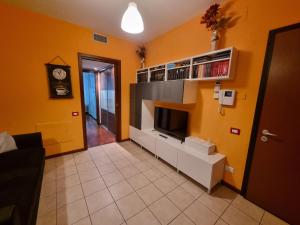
59	80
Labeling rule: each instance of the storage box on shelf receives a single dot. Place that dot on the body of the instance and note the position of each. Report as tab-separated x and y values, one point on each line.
215	65
195	158
201	145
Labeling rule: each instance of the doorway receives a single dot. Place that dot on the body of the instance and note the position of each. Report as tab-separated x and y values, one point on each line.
272	176
100	87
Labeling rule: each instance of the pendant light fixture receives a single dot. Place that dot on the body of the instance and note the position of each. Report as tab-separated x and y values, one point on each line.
132	21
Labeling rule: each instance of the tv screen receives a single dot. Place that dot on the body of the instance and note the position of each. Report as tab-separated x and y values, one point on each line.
172	122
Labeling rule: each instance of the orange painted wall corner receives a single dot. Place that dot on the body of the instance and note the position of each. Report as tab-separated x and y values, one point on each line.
29	40
249	35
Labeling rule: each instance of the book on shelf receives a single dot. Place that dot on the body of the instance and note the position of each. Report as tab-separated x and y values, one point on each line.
142	77
161	67
178	74
157	75
214	69
216	56
142	71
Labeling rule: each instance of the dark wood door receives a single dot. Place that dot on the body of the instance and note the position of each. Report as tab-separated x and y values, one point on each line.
273	180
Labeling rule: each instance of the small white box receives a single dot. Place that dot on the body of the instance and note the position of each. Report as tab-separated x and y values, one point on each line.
200	145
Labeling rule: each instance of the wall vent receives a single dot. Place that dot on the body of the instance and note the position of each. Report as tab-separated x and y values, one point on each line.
100	38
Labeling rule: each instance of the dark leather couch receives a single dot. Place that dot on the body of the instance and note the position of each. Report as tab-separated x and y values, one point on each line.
21	174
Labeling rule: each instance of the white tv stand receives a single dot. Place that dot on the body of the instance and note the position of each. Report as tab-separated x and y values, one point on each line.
207	169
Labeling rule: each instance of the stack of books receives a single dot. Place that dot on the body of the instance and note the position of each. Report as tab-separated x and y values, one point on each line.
216	56
142	77
178	74
158	75
215	69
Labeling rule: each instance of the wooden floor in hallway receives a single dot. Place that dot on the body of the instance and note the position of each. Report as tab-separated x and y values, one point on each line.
97	134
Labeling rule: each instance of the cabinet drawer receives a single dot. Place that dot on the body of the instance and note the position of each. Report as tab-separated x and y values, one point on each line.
134	134
166	151
148	142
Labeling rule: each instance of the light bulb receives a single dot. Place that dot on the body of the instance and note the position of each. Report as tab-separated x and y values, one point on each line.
132	21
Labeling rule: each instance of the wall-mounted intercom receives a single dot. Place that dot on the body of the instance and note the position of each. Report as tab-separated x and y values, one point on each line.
217	89
226	97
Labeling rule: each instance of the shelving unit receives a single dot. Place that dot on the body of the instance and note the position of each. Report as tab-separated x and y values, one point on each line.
210	66
217	65
157	73
142	76
179	70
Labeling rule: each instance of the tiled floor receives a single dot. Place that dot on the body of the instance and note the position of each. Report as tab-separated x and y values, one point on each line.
122	184
97	134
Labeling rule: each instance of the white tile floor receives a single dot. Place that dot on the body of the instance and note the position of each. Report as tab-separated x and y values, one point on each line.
118	184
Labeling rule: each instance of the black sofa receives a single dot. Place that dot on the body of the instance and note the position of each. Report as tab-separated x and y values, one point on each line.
21	175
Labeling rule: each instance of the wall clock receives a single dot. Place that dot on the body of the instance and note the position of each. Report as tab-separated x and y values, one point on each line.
59	79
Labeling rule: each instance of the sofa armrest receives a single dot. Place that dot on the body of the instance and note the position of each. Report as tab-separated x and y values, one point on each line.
33	140
9	215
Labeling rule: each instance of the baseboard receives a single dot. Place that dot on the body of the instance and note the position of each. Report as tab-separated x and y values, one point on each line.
123	140
64	153
74	151
231	187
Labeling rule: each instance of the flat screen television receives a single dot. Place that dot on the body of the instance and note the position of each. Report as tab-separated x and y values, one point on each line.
171	122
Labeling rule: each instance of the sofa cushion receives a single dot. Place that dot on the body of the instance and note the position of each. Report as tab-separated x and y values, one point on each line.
21	158
20	187
9	215
21	173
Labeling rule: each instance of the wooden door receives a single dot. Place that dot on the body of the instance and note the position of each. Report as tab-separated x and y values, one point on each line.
272	178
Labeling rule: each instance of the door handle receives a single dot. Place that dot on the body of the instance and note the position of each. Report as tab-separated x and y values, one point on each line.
267	133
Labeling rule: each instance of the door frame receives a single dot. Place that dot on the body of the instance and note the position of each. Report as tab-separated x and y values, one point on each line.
117	73
260	100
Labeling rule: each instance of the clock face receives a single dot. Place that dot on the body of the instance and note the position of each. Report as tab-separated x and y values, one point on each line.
59	74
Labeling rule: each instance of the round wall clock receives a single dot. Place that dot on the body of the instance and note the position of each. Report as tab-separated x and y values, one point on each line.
59	74
59	81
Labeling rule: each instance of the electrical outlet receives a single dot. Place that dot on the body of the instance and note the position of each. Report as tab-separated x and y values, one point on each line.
229	169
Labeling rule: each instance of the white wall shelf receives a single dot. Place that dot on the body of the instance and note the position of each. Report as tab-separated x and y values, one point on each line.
210	66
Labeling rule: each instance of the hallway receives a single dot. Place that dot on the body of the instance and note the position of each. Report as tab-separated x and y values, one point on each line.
97	134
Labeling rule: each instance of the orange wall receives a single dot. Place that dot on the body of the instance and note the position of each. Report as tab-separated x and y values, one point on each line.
28	41
249	36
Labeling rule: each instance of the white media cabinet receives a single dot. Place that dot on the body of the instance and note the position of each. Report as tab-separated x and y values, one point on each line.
205	168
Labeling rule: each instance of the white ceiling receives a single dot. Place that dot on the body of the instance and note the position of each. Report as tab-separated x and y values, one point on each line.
104	16
92	65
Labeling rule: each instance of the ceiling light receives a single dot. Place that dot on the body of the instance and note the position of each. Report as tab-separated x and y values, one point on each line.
95	68
132	21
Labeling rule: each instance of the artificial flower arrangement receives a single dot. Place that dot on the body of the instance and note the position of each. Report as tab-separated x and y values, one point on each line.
215	20
141	52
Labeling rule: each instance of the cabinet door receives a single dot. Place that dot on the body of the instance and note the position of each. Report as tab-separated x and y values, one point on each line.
132	104
134	134
166	151
195	168
171	91
148	142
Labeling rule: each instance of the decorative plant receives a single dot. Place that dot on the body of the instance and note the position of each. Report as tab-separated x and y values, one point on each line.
214	18
141	52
